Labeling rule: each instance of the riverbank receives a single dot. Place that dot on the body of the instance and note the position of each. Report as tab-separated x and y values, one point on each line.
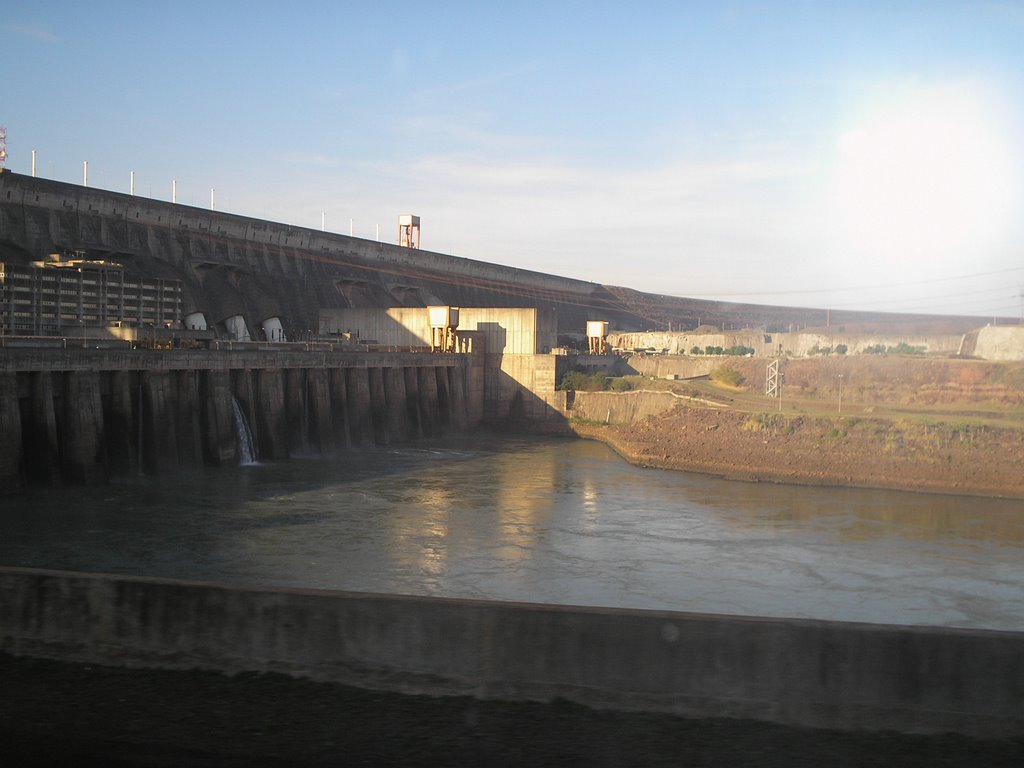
807	450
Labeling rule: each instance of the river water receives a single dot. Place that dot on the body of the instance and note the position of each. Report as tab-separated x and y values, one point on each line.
555	521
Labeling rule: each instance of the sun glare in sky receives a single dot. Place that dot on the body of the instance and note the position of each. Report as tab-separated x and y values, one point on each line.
923	178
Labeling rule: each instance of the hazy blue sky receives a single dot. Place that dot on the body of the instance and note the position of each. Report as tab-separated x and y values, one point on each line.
848	155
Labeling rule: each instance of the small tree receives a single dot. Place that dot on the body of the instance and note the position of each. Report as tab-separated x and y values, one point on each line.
725	374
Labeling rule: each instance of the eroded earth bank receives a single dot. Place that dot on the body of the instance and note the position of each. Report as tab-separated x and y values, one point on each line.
937	426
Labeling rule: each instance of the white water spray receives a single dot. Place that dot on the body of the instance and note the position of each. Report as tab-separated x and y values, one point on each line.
243	437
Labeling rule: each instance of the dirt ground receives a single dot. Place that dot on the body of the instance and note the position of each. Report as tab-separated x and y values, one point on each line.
923	425
58	713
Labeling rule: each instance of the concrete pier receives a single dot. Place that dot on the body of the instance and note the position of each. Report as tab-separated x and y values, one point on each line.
76	416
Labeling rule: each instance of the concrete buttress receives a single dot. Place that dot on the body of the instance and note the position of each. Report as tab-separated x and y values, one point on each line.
189	433
42	449
321	421
159	436
121	424
296	411
84	459
394	392
269	410
360	420
339	407
460	418
412	402
444	400
217	417
10	428
428	401
379	407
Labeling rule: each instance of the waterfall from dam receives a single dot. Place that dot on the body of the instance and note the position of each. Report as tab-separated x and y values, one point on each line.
243	437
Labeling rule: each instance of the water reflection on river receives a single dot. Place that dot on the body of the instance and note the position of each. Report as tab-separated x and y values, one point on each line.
544	521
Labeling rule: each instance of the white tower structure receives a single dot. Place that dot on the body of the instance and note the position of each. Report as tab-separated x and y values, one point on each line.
409	231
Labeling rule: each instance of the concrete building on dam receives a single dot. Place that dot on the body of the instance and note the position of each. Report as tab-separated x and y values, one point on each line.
61	297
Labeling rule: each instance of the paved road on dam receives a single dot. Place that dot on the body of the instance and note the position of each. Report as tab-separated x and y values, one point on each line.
558	521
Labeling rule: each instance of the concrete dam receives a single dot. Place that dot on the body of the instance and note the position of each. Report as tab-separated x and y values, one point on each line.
234	266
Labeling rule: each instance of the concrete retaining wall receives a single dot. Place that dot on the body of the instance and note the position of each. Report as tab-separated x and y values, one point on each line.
771	344
621	407
813	673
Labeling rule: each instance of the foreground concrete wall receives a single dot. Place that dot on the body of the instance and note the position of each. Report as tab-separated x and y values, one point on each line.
814	673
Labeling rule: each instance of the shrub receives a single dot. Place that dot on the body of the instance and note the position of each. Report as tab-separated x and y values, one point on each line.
725	374
581	382
842	349
695	350
739	351
595	382
906	349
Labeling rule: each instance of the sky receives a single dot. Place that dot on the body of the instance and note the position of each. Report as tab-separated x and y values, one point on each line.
862	155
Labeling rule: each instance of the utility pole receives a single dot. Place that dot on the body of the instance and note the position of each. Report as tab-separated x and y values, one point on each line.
840	394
